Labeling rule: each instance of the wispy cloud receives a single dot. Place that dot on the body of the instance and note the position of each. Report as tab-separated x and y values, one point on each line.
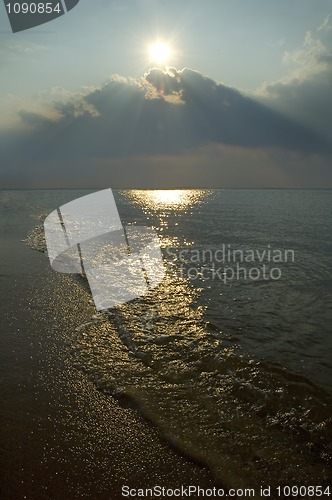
326	24
14	52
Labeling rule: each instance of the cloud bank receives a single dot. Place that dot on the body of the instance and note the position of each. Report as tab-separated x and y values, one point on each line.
305	93
170	128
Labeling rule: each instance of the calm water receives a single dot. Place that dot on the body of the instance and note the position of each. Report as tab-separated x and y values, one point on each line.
230	356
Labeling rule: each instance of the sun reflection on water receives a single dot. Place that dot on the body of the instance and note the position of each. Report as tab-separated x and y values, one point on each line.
178	199
164	208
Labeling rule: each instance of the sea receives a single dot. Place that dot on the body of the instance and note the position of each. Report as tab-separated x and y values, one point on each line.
228	356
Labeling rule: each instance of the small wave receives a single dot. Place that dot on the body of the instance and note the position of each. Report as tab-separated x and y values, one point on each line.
246	420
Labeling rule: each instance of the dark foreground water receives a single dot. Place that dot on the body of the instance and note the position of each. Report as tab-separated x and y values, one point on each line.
230	356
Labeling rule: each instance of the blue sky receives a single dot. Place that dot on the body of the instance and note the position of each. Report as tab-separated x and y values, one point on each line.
278	54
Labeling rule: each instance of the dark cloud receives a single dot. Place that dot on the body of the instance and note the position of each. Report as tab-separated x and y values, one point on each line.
308	101
166	113
306	94
164	82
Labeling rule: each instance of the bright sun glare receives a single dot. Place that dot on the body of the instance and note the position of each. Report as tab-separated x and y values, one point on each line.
160	52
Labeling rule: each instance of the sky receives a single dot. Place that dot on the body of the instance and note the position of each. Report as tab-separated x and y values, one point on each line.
244	98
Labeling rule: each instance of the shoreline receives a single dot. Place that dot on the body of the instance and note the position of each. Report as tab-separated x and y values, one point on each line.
62	437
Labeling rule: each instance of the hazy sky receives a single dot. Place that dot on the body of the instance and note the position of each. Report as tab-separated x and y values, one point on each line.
247	101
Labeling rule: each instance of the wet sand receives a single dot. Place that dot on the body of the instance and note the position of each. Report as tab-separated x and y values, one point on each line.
61	437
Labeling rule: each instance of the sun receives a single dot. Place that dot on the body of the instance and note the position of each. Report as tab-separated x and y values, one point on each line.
160	52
